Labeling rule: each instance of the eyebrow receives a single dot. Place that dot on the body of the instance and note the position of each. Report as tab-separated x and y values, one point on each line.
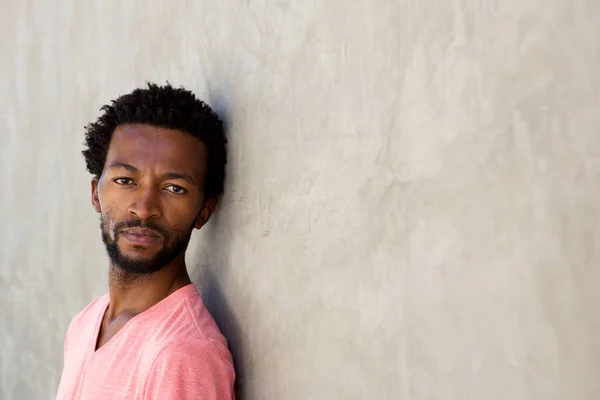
128	167
178	175
167	175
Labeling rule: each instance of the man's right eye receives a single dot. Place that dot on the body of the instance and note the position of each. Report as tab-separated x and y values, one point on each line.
123	181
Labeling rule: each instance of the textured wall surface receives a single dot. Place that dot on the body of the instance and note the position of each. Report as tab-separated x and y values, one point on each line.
413	193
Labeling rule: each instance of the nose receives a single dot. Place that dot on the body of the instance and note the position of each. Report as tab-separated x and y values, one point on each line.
146	204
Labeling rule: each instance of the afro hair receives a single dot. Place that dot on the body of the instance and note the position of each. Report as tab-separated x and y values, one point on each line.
164	107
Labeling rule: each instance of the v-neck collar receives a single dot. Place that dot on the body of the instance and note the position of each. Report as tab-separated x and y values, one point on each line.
167	302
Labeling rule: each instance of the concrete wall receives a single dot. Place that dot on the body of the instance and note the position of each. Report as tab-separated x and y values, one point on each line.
412	201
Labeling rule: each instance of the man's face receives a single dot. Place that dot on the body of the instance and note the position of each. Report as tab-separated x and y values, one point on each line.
150	196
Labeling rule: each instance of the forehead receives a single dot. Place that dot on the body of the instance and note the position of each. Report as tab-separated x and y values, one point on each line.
146	146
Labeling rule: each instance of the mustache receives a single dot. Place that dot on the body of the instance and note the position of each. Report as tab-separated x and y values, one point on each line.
140	223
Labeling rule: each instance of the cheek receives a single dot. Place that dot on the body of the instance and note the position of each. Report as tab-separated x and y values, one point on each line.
111	198
182	225
111	206
181	215
108	223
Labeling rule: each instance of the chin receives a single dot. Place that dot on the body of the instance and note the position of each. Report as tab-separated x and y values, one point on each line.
137	266
142	252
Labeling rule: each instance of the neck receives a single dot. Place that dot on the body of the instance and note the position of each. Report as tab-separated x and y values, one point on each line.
134	293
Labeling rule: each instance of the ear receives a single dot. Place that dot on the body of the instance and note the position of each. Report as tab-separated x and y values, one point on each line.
207	209
95	199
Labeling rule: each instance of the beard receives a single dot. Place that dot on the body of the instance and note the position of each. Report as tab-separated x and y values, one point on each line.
142	265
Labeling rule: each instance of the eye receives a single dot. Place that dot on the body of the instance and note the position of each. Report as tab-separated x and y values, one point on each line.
176	189
123	181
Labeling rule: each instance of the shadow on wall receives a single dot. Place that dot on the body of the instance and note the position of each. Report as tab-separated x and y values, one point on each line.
205	274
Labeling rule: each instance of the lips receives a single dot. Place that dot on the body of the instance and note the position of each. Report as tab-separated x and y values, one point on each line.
141	235
142	232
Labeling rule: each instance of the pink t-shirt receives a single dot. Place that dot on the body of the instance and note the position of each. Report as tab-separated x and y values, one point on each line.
172	351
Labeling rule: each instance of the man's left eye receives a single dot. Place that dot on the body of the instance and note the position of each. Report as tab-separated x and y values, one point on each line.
176	189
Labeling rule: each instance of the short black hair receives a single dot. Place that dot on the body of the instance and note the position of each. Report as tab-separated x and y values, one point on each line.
164	107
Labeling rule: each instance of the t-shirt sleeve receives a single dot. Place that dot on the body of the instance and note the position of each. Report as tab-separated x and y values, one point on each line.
191	369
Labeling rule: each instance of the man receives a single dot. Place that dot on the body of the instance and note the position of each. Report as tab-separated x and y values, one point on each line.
157	156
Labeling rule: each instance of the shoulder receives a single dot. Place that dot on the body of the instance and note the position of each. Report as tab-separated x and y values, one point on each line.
83	325
82	319
196	350
203	322
186	321
189	366
190	330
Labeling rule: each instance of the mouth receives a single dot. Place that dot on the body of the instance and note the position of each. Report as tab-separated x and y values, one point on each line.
141	236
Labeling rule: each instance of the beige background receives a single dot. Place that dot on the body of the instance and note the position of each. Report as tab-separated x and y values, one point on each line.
412	199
